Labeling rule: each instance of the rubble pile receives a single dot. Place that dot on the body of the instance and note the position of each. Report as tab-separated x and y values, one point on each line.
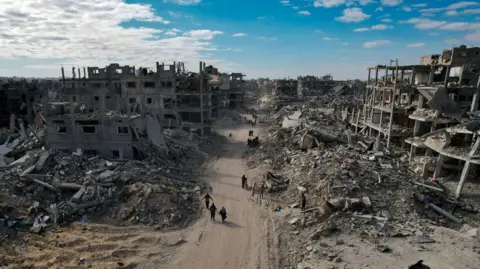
44	188
349	182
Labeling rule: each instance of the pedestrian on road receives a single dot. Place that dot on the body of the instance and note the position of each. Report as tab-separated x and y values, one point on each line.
303	201
244	181
213	209
223	213
207	199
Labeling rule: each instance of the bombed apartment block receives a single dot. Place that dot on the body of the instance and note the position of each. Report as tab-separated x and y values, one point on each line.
431	110
180	99
237	90
70	127
313	87
24	98
286	89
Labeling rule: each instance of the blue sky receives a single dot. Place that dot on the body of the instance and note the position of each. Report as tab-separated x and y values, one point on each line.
263	38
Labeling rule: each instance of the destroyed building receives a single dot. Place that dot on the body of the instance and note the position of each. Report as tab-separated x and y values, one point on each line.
237	90
180	99
312	86
23	98
286	89
423	107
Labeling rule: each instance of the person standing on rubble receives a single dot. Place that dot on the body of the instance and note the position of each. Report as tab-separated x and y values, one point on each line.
303	201
213	210
207	199
262	190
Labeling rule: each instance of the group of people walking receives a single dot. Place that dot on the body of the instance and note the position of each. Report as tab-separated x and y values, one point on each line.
213	209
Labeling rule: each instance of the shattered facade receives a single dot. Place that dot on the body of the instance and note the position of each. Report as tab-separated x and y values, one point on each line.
423	107
237	90
286	89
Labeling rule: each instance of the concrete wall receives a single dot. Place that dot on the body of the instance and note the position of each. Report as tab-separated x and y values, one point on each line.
104	140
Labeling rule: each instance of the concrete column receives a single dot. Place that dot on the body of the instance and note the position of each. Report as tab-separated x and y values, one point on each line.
447	74
438	167
200	74
413	152
466	168
416	128
431	75
476	97
414	73
392	109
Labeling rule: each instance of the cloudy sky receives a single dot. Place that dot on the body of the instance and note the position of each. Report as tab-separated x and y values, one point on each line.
261	38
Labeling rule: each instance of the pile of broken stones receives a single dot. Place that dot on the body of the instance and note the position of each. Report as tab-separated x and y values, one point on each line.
45	188
351	185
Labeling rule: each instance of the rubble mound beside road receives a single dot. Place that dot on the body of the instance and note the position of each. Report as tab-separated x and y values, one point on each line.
43	188
352	186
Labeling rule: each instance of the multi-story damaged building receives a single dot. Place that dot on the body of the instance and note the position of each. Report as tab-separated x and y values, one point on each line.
429	109
286	89
23	98
312	86
237	90
177	97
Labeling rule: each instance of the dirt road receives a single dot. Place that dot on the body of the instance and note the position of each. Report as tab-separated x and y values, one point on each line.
242	241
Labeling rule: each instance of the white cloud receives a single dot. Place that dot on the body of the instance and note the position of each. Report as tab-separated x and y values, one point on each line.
386	20
406	8
365	29
472	11
183	2
421	23
90	33
203	34
365	2
304	12
328	3
377	27
416	45
172	32
376	43
452	41
466	12
391	3
420	5
451	13
285	2
473	37
459	5
330	38
354	14
345	43
318	31
267	38
428	14
379	9
295	7
239	35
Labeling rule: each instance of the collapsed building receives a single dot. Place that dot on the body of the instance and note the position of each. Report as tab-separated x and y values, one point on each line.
311	87
21	98
431	108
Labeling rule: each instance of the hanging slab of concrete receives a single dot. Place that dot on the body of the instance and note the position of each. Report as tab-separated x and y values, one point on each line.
443	103
154	132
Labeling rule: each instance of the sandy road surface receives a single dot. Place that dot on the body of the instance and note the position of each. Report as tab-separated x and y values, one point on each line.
242	242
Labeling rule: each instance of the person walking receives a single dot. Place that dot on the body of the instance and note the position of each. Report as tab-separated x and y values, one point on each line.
262	190
207	199
213	210
303	201
223	213
244	181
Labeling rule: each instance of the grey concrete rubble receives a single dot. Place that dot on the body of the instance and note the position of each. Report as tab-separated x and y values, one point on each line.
358	183
430	109
162	189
